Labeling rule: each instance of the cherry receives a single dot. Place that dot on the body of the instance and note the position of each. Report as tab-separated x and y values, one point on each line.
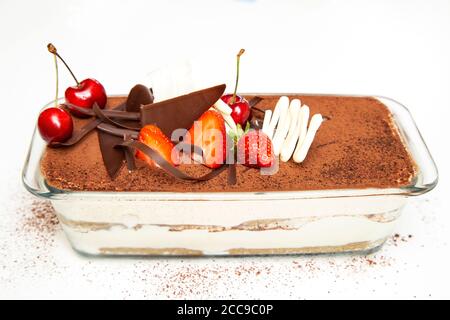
240	112
55	125
85	93
240	107
227	98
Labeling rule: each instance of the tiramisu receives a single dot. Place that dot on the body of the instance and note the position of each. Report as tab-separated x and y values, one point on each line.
214	173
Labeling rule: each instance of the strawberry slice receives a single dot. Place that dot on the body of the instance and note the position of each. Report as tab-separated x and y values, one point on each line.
255	150
208	133
153	137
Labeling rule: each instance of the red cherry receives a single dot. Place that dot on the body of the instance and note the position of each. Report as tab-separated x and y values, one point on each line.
227	98
240	107
240	112
85	94
55	125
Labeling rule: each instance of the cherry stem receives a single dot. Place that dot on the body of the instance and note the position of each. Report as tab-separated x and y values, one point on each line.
238	58
57	81
52	49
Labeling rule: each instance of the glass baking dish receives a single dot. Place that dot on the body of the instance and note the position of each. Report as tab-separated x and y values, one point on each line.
169	223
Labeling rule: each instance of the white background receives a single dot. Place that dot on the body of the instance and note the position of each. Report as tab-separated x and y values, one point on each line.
399	49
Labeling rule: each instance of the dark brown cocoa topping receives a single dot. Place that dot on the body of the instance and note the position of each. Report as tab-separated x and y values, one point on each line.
182	111
357	148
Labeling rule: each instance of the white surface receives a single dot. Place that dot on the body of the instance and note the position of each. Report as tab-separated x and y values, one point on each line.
398	49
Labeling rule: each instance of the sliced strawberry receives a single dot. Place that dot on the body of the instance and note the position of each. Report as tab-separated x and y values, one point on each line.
208	133
153	137
255	150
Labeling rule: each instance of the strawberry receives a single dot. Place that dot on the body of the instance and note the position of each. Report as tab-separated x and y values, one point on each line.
153	137
208	133
255	149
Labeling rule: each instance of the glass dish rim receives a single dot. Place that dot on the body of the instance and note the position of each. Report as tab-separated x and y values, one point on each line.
415	188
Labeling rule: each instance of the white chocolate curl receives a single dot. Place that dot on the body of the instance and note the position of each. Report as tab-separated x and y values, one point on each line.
300	153
229	120
294	131
304	119
281	106
222	107
282	130
267	116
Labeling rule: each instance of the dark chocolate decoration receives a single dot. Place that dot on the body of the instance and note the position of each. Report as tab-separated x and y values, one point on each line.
232	177
180	112
129	155
191	147
254	101
101	115
118	132
112	157
116	114
117	128
139	95
165	165
80	134
77	136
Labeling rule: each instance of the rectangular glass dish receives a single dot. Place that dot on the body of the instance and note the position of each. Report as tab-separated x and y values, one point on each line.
242	223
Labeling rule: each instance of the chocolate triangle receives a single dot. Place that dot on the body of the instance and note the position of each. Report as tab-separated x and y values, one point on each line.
182	111
113	158
138	96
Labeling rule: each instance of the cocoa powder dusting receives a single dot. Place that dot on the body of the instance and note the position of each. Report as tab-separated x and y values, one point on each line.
356	147
42	219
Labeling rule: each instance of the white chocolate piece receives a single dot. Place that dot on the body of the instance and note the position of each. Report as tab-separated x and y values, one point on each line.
282	104
222	107
281	131
266	122
314	125
303	123
294	131
229	120
228	128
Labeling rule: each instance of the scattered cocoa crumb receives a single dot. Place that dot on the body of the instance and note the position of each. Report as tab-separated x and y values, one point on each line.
41	219
397	238
370	262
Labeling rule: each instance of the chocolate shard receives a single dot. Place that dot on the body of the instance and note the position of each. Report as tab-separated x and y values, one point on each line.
115	114
139	95
78	135
254	101
165	165
180	112
113	158
118	132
